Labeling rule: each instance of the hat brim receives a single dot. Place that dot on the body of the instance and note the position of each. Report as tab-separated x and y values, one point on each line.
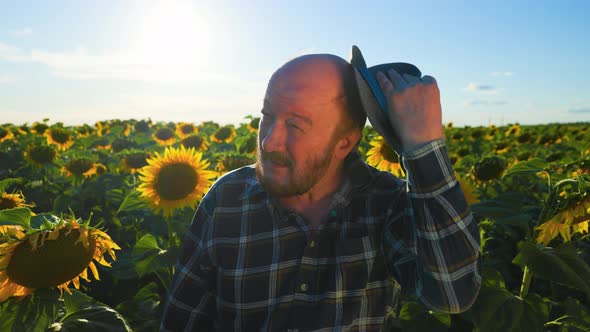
372	97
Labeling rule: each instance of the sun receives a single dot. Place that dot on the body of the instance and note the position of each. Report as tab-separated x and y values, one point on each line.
172	36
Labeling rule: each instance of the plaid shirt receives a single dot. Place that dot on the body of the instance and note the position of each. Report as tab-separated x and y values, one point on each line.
248	264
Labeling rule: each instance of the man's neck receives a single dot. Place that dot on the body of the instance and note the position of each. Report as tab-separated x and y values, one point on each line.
314	203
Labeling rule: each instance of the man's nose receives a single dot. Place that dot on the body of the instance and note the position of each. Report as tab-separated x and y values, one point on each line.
274	138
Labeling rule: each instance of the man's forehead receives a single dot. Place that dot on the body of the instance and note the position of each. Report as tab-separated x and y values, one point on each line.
301	96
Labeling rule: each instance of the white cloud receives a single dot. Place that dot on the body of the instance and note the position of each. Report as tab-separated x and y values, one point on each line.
26	31
117	65
502	73
481	88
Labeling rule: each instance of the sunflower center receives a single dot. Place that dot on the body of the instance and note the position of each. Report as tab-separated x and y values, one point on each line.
223	133
79	166
489	168
8	203
53	263
164	134
42	154
388	153
176	181
192	142
60	136
3	132
136	160
187	129
142	126
40	128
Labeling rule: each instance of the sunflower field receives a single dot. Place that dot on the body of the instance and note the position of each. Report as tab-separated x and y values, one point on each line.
92	218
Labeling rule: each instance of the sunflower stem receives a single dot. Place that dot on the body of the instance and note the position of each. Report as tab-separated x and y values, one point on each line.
526	281
171	238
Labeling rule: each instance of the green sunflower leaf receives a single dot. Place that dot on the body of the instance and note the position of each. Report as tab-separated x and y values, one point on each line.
6	182
132	202
497	309
531	166
96	318
20	216
32	313
562	265
414	317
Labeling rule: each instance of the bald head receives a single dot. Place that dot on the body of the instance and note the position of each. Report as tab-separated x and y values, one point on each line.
319	79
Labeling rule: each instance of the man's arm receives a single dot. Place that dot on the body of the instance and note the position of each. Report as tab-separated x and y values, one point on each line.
191	302
432	245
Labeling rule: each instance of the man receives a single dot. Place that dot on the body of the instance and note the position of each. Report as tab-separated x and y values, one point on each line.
311	237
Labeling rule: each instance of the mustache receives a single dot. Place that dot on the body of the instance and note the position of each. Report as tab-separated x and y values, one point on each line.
277	158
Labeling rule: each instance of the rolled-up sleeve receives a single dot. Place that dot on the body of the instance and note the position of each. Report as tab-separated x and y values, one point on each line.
191	302
432	239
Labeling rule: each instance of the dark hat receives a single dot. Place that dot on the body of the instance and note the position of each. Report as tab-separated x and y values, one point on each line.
372	98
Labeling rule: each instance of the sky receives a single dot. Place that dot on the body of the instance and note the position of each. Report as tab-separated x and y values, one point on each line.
496	62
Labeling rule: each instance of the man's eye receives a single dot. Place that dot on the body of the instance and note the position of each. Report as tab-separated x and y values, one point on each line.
292	125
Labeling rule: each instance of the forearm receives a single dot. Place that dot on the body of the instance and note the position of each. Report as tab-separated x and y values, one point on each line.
446	237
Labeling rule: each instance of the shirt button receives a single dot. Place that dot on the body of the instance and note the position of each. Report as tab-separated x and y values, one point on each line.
304	287
333	213
312	244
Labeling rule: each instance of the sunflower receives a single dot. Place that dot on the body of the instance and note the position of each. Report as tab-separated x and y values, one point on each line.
502	147
164	136
513	131
229	162
457	136
100	168
55	257
79	168
102	144
489	168
195	141
23	129
133	162
175	179
5	134
60	137
249	146
469	189
253	125
142	126
14	200
84	130
225	134
102	128
573	219
492	130
184	129
39	128
524	137
383	157
40	155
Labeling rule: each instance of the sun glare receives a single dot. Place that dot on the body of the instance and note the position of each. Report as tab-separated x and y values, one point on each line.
173	36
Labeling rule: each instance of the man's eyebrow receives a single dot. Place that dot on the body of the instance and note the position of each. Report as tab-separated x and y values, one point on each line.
299	116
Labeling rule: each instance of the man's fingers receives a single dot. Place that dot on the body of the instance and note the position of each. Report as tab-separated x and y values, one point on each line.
385	84
397	79
411	79
428	79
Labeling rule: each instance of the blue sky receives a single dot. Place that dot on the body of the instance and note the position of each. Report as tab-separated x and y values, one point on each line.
81	61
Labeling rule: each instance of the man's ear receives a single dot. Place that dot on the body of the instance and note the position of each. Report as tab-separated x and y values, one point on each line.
346	143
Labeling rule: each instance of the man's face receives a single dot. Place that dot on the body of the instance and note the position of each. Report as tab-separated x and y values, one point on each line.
296	137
